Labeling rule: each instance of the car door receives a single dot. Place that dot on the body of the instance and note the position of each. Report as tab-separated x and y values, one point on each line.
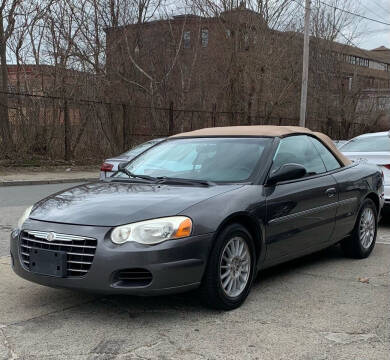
300	213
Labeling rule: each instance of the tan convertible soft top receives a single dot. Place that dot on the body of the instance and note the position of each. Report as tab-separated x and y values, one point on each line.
266	130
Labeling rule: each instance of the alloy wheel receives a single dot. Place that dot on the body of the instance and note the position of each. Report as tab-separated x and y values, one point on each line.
367	227
235	267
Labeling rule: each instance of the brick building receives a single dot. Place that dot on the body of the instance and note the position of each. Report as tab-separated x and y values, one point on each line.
234	63
46	83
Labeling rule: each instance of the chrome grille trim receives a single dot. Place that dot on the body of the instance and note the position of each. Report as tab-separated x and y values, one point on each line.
61	244
80	250
59	237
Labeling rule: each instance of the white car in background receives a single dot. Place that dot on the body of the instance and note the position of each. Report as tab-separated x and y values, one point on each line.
339	143
373	148
110	166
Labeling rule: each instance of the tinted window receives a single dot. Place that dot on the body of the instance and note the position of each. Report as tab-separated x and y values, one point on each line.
367	144
328	158
213	159
299	150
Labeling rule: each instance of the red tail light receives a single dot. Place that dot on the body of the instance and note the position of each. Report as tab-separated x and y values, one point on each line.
106	167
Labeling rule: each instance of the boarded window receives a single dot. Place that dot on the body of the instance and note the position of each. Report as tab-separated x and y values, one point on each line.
186	39
204	37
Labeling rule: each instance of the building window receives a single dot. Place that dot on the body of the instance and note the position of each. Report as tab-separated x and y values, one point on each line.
350	83
377	65
187	39
352	59
244	41
204	37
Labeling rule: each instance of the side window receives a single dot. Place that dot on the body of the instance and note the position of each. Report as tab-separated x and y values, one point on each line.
328	158
299	150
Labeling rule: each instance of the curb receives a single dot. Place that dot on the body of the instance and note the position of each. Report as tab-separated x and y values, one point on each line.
45	182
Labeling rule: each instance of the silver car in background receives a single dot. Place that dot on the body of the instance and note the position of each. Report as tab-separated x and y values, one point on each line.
373	148
110	166
339	143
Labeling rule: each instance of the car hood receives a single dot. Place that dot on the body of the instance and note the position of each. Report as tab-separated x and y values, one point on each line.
377	157
112	204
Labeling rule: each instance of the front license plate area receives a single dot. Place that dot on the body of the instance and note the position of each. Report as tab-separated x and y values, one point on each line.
48	262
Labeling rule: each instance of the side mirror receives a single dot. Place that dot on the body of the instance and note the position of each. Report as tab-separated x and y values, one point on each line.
286	172
122	165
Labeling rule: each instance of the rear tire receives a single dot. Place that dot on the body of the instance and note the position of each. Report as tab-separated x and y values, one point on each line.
361	242
229	274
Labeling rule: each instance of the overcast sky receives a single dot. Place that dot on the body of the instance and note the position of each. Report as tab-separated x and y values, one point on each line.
373	34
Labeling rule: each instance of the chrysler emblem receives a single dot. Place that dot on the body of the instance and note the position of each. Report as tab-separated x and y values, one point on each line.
51	236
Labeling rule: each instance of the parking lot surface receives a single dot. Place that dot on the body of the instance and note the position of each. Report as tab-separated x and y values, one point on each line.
323	306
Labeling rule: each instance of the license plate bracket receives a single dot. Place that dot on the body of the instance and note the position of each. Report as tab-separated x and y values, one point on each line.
48	262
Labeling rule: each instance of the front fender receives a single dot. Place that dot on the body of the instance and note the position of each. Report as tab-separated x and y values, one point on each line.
247	202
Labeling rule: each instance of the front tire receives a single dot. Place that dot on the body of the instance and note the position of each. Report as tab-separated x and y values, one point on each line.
361	242
229	274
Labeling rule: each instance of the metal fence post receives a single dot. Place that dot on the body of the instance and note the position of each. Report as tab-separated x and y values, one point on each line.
170	119
66	132
249	114
124	127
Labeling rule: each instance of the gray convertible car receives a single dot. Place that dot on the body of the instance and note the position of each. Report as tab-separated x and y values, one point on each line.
206	209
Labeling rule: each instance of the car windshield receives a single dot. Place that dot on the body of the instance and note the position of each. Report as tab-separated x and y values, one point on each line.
209	159
139	149
367	144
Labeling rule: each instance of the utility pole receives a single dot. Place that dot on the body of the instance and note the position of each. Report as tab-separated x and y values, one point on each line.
305	69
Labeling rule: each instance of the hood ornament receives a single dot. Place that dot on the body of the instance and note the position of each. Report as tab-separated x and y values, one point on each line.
51	236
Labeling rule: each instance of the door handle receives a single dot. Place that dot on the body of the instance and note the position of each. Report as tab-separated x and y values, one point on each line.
331	192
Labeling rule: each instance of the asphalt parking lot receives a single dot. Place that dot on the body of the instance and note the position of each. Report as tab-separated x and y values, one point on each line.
320	307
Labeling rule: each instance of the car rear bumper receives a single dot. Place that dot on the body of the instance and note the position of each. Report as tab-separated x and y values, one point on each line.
174	266
387	195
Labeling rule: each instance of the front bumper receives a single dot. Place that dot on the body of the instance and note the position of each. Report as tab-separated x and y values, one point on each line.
175	265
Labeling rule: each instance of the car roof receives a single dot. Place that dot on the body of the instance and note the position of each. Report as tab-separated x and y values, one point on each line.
248	130
265	130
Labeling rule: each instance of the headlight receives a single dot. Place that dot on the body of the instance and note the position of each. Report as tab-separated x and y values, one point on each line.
24	217
152	232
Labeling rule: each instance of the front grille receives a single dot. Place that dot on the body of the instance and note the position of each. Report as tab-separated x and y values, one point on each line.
133	277
80	250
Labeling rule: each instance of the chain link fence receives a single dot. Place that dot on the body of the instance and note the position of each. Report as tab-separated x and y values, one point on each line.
52	128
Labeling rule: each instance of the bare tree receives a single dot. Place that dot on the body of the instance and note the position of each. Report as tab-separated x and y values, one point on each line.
8	13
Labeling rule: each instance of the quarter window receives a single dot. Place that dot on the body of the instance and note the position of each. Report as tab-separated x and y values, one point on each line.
328	158
299	150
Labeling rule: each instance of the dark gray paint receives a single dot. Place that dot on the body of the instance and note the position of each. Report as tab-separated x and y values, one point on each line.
289	220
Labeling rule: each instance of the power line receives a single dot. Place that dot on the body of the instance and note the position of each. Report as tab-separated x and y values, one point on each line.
372	12
355	14
365	52
381	7
349	41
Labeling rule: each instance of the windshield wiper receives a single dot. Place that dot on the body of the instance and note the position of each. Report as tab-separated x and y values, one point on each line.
130	174
166	179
